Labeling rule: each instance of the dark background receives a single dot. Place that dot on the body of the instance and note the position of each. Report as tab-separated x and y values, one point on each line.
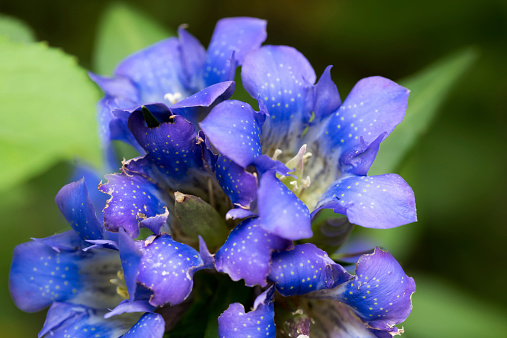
458	169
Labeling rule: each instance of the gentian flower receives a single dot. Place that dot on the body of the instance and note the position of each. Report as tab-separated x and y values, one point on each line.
178	72
275	169
367	304
85	271
330	146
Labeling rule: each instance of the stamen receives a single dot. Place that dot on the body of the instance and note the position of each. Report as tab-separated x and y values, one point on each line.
276	154
173	98
306	182
121	287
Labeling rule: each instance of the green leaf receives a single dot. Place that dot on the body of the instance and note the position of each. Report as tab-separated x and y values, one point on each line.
48	110
199	218
428	90
15	29
442	310
123	30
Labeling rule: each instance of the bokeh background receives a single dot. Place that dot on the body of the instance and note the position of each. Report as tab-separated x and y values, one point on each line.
457	250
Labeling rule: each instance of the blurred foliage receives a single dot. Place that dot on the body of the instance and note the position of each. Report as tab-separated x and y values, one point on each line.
15	29
457	170
46	99
429	88
122	31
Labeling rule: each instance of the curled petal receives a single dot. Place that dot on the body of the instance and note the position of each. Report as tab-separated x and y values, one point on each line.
196	107
76	206
92	179
379	202
128	306
172	146
260	322
130	257
304	269
380	293
134	200
247	252
374	107
239	213
326	96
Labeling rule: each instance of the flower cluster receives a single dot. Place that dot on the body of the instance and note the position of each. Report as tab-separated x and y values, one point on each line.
226	189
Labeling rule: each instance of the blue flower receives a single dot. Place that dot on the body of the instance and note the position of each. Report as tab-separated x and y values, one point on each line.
176	71
276	168
329	145
85	271
370	303
178	159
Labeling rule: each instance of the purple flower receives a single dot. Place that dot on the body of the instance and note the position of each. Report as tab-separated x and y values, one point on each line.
85	271
177	160
276	168
178	72
328	145
370	303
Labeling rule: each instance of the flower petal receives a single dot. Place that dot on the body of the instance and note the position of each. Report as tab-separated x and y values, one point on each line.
151	325
232	35
326	96
167	268
234	128
92	178
66	241
260	322
78	210
156	71
247	252
304	269
76	321
283	78
238	184
134	198
130	257
71	320
40	275
359	160
379	202
281	212
333	319
196	107
380	292
172	146
128	306
239	213
116	87
374	106
193	56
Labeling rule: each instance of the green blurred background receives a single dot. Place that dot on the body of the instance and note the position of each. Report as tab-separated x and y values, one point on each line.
456	252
